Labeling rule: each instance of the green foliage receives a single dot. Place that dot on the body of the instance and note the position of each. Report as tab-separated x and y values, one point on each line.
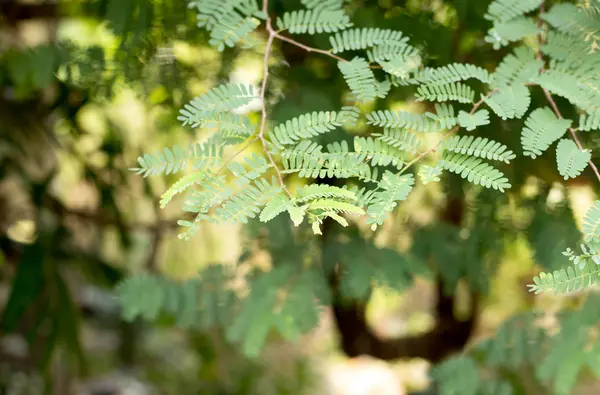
457	91
510	101
542	128
201	302
359	78
372	171
281	299
363	38
395	187
589	122
464	368
310	125
472	121
571	279
570	159
516	68
229	22
591	221
475	170
217	100
443	119
480	147
505	10
451	73
175	159
313	21
512	30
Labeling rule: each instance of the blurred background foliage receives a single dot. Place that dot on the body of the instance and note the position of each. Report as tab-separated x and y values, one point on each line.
87	86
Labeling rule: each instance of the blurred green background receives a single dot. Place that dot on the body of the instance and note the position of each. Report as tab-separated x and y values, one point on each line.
87	86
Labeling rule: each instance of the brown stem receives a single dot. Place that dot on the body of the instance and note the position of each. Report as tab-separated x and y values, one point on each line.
308	48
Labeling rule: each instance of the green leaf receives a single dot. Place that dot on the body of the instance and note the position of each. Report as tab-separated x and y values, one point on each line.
394	188
471	121
455	91
359	78
505	10
274	207
571	279
313	21
571	161
512	30
363	38
297	214
475	170
479	146
510	101
542	128
591	221
430	173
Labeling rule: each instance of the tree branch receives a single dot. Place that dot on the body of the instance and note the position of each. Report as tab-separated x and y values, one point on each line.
308	48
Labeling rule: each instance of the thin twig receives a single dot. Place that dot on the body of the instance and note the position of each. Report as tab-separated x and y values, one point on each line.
308	48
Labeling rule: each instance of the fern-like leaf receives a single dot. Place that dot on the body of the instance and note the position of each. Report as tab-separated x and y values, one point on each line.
451	73
443	119
313	21
472	121
231	29
480	147
517	68
246	204
571	161
175	159
310	125
400	138
394	188
456	91
503	33
542	128
277	205
571	279
589	122
430	173
583	93
401	65
323	4
505	10
219	99
323	191
475	170
257	165
335	206
510	101
180	186
363	38
359	78
378	152
591	221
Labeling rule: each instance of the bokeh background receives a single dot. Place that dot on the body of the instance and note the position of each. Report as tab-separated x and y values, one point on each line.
87	86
